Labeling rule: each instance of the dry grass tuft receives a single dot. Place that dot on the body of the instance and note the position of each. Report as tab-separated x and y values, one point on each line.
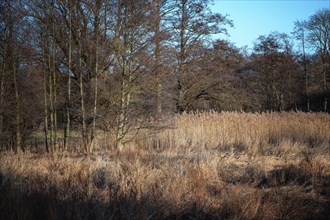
194	166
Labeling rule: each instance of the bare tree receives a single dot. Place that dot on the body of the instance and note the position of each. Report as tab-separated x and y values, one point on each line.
131	51
12	41
43	62
300	34
160	10
193	23
276	68
318	27
68	102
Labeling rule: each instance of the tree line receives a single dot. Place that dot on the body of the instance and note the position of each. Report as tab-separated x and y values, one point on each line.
75	67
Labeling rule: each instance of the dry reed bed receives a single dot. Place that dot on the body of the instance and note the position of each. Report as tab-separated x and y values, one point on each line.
288	135
218	129
203	166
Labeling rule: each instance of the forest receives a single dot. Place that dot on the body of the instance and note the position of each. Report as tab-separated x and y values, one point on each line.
132	109
72	68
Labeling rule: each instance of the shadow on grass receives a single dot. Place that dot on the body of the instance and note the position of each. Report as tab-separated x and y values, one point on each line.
271	202
16	203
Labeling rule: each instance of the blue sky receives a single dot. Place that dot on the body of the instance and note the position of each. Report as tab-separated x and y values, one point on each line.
261	17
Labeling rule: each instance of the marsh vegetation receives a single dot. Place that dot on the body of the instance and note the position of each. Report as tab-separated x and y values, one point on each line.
212	165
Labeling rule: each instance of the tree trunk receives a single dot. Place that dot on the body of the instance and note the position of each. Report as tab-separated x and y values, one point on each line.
306	74
96	75
123	118
68	101
18	143
182	58
324	80
50	82
122	121
325	102
157	58
2	91
54	90
124	105
82	100
91	145
45	98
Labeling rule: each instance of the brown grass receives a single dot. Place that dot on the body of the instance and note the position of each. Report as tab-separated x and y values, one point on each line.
194	166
